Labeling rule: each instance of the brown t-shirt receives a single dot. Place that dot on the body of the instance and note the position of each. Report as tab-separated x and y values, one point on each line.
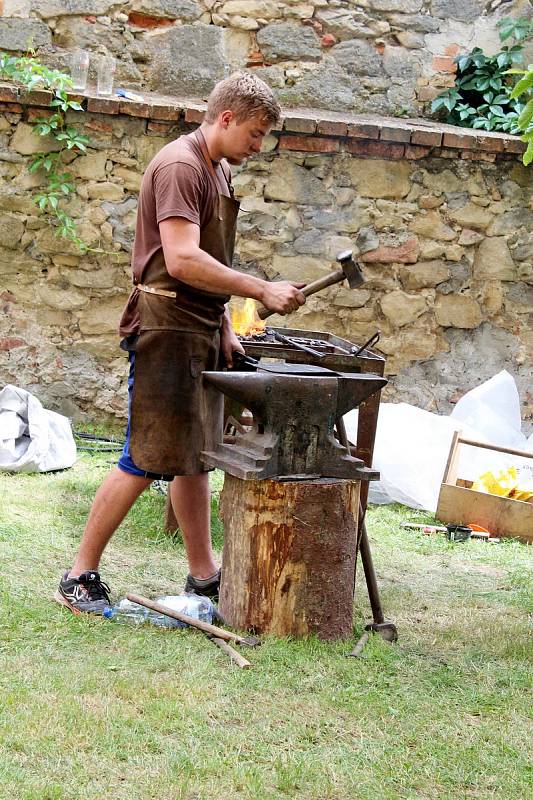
177	183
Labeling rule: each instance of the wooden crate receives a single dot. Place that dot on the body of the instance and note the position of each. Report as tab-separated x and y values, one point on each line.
459	504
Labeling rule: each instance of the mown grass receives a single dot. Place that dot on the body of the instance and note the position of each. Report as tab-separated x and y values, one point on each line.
92	709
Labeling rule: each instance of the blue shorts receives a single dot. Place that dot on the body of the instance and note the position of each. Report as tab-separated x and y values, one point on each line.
125	462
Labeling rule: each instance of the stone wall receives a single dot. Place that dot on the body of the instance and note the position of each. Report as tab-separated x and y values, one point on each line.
368	56
441	218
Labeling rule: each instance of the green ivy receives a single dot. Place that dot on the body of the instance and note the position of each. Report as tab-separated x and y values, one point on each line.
524	88
482	97
52	200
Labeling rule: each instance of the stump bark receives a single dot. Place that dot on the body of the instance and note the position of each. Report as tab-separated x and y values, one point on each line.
289	556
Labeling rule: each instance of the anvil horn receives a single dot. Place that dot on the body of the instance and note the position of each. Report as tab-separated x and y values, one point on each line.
247	388
355	389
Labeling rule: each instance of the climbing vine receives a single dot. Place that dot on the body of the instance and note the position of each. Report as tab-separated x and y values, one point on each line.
52	200
482	96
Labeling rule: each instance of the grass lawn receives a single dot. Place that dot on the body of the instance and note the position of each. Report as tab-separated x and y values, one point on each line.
91	709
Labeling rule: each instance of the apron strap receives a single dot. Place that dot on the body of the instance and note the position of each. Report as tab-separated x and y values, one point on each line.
209	162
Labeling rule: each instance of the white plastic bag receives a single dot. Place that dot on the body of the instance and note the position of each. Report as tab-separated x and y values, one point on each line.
32	439
412	445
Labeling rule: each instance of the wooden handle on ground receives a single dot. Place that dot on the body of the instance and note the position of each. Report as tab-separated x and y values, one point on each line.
311	288
241	661
206	627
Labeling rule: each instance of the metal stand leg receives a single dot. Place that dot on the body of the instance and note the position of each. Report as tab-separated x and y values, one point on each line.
385	628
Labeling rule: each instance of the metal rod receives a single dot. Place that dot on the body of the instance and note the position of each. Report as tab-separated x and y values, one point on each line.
287	340
370	575
373	340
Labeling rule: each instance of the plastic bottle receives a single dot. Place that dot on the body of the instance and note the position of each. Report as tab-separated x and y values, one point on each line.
193	605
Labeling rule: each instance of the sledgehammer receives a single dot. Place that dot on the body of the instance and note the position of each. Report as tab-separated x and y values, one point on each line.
349	270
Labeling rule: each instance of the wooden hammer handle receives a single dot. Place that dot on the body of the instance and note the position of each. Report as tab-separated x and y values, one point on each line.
316	286
206	627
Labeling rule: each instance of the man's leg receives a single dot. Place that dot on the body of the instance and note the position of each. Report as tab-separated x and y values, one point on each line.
111	503
191	501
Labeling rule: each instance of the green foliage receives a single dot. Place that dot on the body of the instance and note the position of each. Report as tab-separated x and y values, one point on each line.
59	186
524	88
482	96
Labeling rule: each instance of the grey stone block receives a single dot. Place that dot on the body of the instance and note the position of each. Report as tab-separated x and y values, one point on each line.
18	34
75	8
358	57
287	41
187	60
186	10
463	10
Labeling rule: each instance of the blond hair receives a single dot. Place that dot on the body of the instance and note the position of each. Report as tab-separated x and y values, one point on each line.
244	94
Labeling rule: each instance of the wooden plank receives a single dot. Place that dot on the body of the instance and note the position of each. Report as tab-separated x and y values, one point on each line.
499	515
497	448
450	470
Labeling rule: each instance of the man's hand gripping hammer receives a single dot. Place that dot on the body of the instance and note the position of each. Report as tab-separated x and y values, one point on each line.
349	270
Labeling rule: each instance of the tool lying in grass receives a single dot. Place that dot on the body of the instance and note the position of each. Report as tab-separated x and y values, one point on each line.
349	270
476	531
216	634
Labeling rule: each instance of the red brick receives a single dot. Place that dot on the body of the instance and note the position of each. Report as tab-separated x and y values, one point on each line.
332	127
36	98
491	144
414	151
133	108
392	133
34	114
9	343
445	152
13	108
194	115
429	138
146	21
299	124
444	64
166	112
406	253
514	145
363	130
255	59
109	105
328	40
160	128
467	141
452	50
478	155
309	144
8	93
95	124
375	149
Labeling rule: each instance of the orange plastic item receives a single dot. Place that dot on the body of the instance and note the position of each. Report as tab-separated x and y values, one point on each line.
478	528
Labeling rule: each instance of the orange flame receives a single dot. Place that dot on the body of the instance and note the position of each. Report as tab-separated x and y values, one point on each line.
245	319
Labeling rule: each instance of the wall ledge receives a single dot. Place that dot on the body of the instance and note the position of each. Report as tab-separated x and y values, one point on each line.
304	129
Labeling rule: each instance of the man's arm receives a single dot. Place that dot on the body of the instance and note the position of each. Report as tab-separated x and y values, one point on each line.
187	262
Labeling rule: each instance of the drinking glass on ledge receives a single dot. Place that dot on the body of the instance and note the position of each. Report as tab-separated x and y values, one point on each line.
79	67
106	74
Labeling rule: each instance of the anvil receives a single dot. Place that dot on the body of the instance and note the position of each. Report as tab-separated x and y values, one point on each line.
295	408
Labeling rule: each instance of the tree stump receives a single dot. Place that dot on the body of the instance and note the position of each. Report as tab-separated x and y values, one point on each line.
289	556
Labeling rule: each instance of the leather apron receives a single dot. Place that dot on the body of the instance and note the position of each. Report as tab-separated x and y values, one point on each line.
174	417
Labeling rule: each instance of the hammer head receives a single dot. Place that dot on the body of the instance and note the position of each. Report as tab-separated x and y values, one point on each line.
352	271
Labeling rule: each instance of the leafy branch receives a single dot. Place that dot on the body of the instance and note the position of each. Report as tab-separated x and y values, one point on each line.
524	87
482	97
52	200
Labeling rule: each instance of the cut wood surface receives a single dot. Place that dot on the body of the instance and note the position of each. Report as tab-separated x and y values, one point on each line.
501	516
289	556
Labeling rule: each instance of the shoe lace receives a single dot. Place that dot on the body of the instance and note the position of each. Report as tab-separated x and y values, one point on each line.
97	589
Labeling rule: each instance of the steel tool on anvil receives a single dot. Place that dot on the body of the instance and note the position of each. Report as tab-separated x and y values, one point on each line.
349	271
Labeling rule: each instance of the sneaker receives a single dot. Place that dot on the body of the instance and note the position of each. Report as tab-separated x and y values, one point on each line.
84	594
209	587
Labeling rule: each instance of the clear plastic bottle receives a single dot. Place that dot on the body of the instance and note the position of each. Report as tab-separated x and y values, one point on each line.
193	605
127	613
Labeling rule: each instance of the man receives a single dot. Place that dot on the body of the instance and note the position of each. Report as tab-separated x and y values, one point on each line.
175	325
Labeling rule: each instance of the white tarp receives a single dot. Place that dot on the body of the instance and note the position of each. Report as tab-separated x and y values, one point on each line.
32	439
412	445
